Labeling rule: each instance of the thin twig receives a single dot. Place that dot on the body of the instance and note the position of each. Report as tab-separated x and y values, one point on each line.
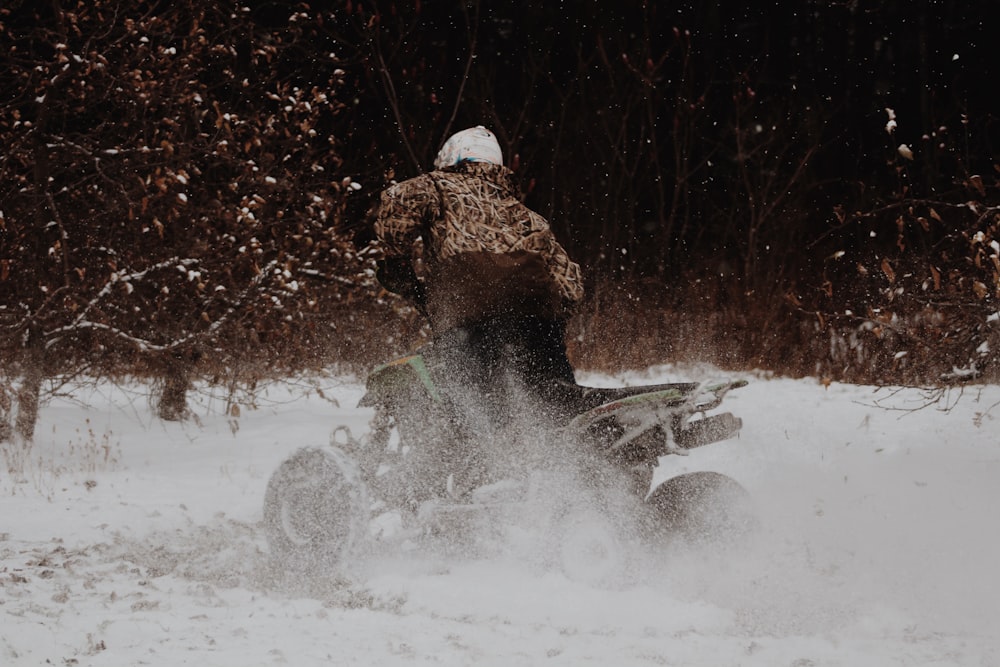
390	90
473	41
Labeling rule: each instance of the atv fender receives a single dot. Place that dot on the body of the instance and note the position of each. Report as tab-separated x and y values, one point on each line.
399	378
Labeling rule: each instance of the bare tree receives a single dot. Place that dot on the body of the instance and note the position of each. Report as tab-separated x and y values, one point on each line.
172	190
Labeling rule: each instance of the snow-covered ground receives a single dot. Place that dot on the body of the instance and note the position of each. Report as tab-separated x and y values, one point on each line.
128	541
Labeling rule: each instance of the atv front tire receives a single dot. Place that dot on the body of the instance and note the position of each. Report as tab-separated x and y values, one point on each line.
315	510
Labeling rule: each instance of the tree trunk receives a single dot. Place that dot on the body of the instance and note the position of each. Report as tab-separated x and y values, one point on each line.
6	404
26	397
172	405
27	402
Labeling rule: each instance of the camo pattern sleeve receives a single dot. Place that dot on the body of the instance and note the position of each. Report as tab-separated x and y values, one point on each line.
404	212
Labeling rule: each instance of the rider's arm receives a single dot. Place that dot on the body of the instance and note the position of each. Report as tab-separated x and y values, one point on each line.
404	210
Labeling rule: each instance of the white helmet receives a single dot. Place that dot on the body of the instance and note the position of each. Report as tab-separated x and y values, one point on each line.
476	144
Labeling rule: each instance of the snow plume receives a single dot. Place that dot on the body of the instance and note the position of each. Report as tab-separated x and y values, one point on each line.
516	492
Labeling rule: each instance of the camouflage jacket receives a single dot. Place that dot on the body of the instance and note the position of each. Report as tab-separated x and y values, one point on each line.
484	252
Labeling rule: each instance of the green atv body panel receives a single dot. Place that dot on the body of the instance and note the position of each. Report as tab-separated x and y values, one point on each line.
398	378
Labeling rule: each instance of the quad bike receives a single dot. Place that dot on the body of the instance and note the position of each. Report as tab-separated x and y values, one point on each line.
446	464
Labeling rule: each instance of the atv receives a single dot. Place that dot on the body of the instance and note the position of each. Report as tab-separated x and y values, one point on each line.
445	465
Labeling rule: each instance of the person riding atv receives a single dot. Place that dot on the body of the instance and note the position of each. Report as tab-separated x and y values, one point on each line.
484	434
496	286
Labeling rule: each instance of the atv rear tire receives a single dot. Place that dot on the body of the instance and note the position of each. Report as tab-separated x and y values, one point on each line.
702	508
315	510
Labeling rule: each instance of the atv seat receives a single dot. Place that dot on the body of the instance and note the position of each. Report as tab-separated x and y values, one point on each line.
586	398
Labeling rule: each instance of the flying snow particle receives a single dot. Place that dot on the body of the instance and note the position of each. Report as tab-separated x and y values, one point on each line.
890	127
905	151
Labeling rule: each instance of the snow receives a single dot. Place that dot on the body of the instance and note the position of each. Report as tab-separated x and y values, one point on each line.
129	541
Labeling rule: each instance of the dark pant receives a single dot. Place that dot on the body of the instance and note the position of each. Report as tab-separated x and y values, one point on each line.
482	358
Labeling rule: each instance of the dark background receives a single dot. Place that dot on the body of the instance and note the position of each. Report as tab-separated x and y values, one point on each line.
705	161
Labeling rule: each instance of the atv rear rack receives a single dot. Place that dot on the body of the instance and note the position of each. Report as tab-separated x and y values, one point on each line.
639	416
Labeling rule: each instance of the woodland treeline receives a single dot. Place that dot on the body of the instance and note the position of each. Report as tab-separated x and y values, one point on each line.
186	188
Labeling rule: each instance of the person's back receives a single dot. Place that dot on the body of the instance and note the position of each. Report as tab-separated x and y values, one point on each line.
486	254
